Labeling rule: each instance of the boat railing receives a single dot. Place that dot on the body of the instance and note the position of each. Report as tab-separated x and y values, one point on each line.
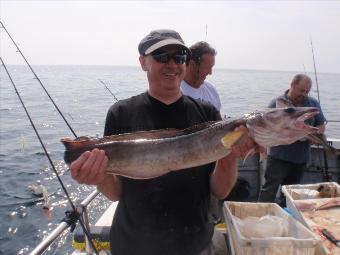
44	244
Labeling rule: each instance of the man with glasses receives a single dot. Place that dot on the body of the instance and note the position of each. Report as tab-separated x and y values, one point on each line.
287	163
199	67
168	214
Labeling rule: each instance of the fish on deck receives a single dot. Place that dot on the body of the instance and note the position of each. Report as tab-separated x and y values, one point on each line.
149	154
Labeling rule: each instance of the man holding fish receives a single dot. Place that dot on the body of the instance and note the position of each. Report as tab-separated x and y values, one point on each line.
168	214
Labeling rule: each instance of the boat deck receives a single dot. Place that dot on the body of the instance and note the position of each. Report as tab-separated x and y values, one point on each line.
106	218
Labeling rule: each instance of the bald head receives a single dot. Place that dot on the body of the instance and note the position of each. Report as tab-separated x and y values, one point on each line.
299	78
299	89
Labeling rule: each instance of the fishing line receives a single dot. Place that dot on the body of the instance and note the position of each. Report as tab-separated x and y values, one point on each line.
109	90
50	161
316	79
36	76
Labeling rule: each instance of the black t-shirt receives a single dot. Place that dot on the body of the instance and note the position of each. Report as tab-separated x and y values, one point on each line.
168	214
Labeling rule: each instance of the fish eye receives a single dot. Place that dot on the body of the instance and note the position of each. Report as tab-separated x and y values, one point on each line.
289	110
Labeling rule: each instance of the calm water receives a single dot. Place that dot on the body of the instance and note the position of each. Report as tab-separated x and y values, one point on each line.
84	102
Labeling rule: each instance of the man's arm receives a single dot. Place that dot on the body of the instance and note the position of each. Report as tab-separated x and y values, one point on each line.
224	176
111	187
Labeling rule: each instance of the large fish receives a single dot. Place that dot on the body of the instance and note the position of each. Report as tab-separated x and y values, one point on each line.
149	154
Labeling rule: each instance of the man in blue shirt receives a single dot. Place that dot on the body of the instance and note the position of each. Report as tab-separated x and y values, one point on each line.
287	163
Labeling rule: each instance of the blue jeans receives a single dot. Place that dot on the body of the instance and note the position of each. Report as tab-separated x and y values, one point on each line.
279	172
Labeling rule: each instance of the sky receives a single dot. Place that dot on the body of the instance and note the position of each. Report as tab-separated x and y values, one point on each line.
259	35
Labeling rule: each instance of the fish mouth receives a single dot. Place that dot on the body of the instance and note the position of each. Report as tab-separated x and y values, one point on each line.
305	115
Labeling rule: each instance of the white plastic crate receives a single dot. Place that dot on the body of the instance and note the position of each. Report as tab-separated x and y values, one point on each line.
293	201
299	241
292	196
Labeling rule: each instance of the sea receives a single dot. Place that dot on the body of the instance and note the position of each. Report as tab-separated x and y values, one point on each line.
81	96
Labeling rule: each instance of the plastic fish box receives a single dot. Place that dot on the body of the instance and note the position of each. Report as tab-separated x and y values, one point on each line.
301	194
301	200
299	241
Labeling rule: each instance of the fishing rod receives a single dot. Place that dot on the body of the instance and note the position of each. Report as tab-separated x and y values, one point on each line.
109	90
325	172
73	218
316	77
36	76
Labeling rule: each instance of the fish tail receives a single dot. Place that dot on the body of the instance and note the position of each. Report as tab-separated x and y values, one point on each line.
79	143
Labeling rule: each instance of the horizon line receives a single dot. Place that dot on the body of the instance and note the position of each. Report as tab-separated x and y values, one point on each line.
215	68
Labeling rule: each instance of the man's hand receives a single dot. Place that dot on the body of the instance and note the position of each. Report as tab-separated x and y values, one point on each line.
246	146
90	167
224	176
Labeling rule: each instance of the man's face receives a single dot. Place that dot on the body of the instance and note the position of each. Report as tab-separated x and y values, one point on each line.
204	68
300	91
164	76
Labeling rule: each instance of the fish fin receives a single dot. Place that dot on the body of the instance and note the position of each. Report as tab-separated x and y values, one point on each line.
151	134
317	139
263	156
198	127
84	141
251	152
232	138
321	139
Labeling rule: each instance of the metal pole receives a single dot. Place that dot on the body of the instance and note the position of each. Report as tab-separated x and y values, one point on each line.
84	205
43	245
49	239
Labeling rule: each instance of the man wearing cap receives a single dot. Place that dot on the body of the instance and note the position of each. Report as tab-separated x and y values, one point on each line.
168	214
198	68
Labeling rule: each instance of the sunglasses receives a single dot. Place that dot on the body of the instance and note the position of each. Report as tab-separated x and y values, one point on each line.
164	57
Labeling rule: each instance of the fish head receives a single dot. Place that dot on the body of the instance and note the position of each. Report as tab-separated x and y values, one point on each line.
281	126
